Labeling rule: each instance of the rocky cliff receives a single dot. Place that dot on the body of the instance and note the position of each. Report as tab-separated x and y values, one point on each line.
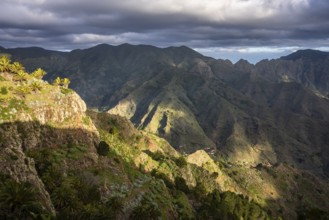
36	115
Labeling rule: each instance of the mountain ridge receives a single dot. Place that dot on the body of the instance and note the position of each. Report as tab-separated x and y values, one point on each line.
51	151
196	102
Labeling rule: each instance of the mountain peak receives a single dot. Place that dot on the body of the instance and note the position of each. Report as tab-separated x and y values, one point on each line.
182	51
100	46
306	54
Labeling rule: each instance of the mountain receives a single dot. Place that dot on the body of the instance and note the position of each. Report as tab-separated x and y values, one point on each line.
60	160
271	112
306	67
55	164
309	54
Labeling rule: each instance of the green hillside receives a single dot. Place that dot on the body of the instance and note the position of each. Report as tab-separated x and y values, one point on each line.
271	113
62	161
55	164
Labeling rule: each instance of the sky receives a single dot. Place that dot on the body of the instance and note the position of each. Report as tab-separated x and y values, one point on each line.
226	29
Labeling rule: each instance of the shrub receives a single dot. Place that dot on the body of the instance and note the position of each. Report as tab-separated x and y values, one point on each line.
181	184
4	90
66	91
20	201
157	155
146	210
164	177
103	148
23	90
113	206
229	205
39	73
214	175
181	161
200	190
36	86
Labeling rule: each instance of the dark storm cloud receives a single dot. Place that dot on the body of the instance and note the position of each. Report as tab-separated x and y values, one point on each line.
63	24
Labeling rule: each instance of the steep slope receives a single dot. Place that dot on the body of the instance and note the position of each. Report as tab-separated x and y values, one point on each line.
55	164
307	67
34	115
251	113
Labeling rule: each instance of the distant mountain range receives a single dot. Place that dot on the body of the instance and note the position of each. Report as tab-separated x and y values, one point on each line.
272	112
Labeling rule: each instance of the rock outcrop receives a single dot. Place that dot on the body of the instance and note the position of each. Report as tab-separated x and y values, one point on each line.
51	117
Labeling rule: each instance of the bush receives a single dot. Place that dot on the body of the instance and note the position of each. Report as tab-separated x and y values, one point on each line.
113	206
200	190
66	91
4	90
157	155
229	205
103	148
20	201
181	161
165	178
146	210
181	184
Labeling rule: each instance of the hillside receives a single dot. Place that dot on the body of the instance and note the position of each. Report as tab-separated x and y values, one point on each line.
71	164
56	164
273	112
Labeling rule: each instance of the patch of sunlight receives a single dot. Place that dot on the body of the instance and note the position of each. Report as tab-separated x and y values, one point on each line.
125	108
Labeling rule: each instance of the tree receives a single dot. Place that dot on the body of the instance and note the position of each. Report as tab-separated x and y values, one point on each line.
103	148
57	81
36	86
39	73
21	76
17	67
23	90
66	82
4	64
181	185
181	161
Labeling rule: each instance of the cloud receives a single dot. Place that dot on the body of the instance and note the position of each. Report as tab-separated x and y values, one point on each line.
66	25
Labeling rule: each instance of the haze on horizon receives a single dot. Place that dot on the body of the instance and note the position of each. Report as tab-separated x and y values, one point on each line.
248	29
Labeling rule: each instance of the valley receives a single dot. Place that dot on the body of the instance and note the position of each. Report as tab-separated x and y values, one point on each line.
166	127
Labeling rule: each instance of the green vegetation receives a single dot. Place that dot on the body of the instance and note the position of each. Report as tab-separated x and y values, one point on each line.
229	206
20	200
62	82
4	90
127	173
169	169
146	210
181	161
38	73
5	65
103	148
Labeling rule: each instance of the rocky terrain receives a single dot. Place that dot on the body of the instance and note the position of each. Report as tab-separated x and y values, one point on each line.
273	112
237	143
56	164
